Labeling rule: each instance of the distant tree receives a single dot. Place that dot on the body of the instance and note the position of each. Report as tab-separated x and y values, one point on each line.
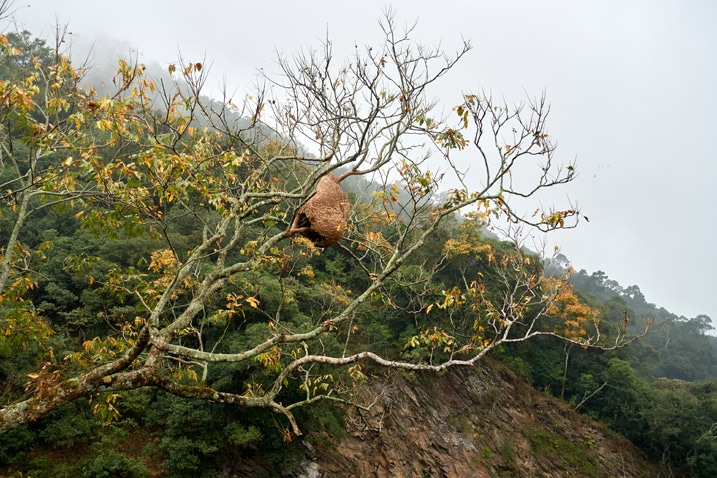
634	293
225	305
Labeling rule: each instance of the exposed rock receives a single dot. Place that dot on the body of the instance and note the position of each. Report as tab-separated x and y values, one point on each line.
481	422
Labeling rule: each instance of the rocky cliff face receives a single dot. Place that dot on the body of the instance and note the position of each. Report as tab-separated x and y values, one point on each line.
480	422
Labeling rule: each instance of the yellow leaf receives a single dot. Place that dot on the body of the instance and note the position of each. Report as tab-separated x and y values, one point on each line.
103	125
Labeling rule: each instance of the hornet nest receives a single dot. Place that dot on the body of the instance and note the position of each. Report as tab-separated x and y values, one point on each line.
323	219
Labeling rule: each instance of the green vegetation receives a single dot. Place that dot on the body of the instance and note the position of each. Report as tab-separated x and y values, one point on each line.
659	392
570	456
164	309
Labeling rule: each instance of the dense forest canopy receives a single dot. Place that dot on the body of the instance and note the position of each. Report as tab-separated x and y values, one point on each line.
160	249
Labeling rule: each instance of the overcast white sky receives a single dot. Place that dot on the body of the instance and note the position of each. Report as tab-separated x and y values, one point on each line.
631	84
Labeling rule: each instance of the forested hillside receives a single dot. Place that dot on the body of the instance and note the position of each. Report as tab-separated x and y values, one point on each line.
659	391
185	282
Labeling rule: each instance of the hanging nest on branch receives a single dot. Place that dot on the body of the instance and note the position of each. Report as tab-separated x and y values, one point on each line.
324	218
